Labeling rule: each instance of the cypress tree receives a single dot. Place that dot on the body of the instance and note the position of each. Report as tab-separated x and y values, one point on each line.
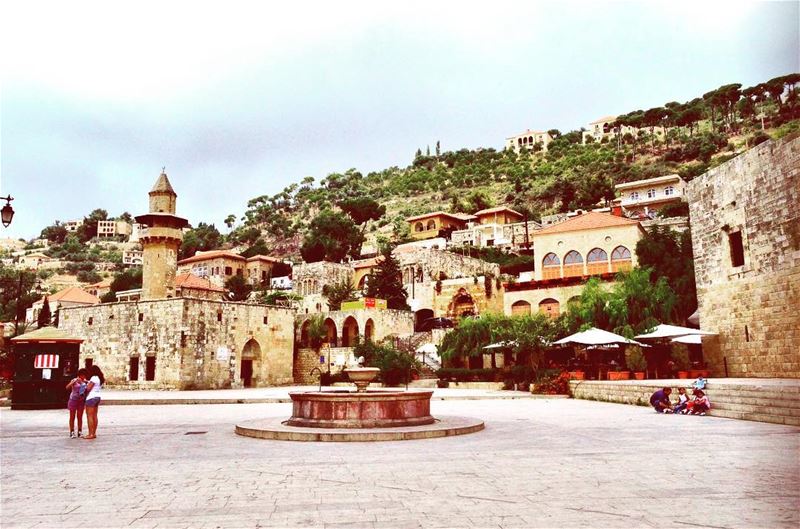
44	314
387	282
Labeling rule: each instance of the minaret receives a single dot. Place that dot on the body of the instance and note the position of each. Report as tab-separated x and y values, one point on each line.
160	241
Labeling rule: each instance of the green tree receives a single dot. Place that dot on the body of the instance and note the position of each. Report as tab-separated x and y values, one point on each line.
56	233
44	314
238	289
338	292
395	366
17	293
203	238
331	236
386	282
129	279
258	248
230	220
88	230
670	256
362	210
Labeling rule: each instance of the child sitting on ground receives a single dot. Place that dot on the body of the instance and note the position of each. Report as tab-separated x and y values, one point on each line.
701	403
683	400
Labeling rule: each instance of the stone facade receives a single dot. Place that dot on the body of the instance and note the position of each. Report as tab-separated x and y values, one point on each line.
308	280
549	298
745	222
195	343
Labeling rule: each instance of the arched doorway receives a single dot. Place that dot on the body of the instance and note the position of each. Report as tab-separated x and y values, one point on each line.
419	318
462	304
250	353
304	333
550	308
369	330
330	328
520	308
349	332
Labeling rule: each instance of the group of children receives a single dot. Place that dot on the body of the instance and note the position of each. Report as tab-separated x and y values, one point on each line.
698	405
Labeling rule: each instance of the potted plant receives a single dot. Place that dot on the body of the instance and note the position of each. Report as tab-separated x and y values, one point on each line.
680	355
578	374
618	373
637	362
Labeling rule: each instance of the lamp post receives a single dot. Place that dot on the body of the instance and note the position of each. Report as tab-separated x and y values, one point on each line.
7	211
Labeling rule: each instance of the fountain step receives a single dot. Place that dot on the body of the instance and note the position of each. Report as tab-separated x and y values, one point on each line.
276	429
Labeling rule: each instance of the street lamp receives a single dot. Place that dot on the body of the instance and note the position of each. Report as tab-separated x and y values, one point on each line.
7	211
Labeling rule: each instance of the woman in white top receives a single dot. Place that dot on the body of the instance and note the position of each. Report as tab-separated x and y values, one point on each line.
93	399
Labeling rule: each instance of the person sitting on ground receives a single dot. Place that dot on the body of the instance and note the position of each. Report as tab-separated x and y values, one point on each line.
683	400
660	400
701	403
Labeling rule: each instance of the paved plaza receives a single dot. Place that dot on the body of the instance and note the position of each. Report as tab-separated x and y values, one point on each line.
538	463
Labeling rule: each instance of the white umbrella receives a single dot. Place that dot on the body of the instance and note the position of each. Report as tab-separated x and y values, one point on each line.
428	348
595	336
691	339
672	331
502	345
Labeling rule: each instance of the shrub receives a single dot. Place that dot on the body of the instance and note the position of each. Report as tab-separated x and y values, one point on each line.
680	355
636	360
553	384
395	365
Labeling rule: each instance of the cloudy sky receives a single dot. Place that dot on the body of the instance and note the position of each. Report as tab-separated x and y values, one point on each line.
239	99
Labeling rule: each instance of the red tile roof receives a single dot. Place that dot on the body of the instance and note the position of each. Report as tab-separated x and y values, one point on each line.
197	283
263	258
498	210
588	221
459	216
213	254
73	295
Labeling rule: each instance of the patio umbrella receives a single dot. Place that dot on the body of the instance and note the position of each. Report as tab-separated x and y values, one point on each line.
502	345
596	336
672	331
691	339
428	348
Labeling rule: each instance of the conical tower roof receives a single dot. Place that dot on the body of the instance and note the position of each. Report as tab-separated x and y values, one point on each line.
163	185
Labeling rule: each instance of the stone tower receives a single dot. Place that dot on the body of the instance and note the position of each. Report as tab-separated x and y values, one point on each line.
160	241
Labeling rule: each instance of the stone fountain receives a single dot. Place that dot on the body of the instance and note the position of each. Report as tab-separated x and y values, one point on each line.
360	415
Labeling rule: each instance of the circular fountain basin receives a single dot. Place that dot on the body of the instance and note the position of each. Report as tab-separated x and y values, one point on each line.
365	409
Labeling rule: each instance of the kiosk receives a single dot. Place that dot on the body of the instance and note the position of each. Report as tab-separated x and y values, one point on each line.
45	360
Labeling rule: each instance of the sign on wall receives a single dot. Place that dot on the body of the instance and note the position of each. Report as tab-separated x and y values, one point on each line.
46	361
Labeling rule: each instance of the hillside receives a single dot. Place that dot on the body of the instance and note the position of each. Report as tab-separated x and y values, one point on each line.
697	135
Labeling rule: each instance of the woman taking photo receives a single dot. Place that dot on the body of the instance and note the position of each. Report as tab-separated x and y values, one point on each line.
93	399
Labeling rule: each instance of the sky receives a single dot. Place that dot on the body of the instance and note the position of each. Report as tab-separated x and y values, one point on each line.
240	99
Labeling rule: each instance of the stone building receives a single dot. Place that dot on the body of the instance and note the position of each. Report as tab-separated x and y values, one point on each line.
180	335
530	139
344	329
745	222
549	297
437	224
185	343
648	196
588	244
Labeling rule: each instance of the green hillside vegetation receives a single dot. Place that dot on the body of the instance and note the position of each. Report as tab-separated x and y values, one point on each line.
700	134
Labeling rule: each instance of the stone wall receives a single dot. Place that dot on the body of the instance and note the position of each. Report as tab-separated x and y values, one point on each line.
308	280
196	343
753	306
375	324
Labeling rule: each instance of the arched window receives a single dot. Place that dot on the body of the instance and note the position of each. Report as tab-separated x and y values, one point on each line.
635	195
573	264
651	193
551	266
419	227
597	262
669	191
530	139
550	307
520	308
621	259
431	225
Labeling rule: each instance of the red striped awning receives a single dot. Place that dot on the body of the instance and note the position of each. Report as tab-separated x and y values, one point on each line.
45	361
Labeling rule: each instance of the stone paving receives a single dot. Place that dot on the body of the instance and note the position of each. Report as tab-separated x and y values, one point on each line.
538	463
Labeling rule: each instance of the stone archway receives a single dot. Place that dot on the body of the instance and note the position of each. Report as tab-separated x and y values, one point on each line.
349	332
330	327
369	330
461	305
251	354
304	341
420	316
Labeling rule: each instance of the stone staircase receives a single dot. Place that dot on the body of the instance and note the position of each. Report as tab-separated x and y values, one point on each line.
758	399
